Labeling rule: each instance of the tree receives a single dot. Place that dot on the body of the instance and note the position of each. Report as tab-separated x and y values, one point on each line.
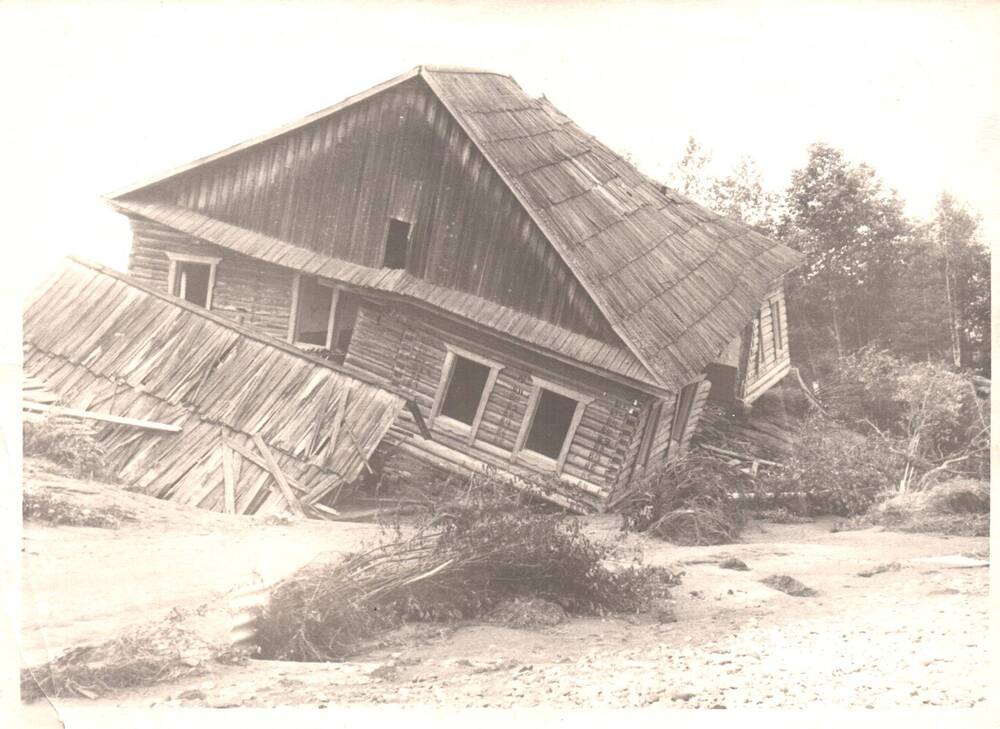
741	195
691	175
965	267
851	229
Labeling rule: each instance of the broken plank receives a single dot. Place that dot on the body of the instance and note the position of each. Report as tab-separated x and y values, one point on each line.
103	417
325	509
740	456
228	474
357	447
261	463
275	469
338	421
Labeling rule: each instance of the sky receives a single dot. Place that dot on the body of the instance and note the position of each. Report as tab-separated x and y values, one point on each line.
100	95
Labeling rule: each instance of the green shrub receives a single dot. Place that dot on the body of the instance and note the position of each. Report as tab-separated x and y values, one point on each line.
49	509
688	502
833	470
69	443
461	563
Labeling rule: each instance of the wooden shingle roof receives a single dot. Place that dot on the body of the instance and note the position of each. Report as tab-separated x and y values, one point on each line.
675	281
103	341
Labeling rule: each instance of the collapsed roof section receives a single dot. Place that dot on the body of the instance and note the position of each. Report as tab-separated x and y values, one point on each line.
264	427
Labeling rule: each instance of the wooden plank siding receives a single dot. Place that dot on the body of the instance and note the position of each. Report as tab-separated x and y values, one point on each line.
405	350
246	291
332	186
765	358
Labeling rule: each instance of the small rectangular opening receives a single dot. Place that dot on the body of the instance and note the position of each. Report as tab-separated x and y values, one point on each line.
776	332
313	317
465	390
550	426
345	316
192	280
682	413
397	244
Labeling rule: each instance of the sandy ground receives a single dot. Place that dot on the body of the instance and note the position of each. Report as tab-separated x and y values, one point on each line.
902	639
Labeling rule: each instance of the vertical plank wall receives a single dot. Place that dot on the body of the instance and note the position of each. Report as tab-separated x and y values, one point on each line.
332	186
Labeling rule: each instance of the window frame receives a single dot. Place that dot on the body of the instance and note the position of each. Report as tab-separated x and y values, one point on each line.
293	314
677	434
653	421
178	258
539	460
437	419
777	332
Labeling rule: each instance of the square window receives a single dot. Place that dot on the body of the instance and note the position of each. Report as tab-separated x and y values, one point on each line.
192	282
465	390
551	423
397	244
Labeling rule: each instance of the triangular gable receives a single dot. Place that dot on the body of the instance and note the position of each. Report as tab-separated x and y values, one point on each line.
673	281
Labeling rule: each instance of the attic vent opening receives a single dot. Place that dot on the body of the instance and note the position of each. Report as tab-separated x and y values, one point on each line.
397	244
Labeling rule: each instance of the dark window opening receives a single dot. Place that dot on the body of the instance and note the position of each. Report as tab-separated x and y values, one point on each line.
313	318
776	327
553	416
682	413
397	244
465	390
192	282
345	316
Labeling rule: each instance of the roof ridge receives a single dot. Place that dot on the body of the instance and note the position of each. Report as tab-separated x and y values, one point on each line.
435	68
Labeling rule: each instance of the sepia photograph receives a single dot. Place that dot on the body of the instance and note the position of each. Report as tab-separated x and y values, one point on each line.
576	359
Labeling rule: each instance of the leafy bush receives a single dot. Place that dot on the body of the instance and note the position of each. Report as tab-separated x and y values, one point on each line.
923	411
688	502
46	508
461	563
69	443
833	470
959	507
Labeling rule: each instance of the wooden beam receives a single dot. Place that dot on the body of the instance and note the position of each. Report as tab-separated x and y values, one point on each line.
357	447
228	474
259	462
338	422
103	417
275	469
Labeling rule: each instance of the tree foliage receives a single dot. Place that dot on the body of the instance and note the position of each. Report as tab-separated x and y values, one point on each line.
872	276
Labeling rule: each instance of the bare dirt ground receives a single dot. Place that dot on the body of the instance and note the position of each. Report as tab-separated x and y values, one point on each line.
901	639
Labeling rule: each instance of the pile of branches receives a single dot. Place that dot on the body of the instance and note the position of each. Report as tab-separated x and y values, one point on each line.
157	652
461	564
959	507
689	502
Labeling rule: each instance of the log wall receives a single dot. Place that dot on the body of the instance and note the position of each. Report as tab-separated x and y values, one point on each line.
405	350
247	291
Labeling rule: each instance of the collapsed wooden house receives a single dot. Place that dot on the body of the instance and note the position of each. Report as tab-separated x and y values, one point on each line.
193	407
550	311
